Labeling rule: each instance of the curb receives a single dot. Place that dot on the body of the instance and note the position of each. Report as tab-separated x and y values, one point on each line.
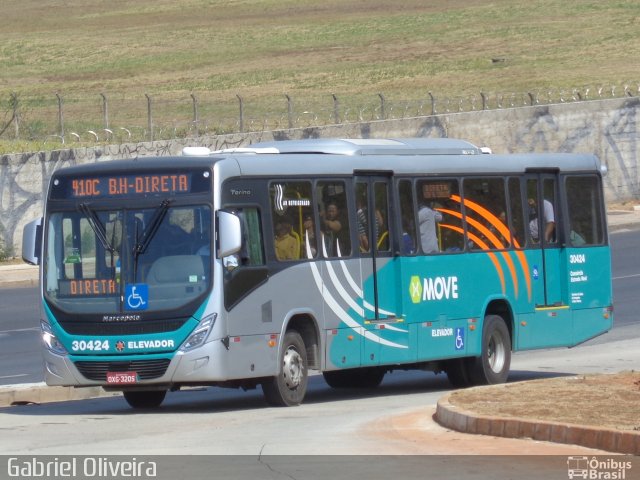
37	393
618	441
20	275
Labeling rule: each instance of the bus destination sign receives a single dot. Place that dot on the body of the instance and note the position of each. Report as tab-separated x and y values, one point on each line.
129	185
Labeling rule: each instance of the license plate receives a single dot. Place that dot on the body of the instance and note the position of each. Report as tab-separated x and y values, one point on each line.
122	378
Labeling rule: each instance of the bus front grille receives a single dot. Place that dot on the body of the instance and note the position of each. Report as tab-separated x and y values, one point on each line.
146	369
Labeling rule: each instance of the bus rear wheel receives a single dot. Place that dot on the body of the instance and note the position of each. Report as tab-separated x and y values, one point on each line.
145	399
492	366
289	387
369	377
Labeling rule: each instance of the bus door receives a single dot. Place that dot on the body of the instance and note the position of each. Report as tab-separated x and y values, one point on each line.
547	261
386	335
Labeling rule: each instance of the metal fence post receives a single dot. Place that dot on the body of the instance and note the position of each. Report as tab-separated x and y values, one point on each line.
60	116
383	115
149	117
195	111
105	111
336	109
241	106
15	106
289	110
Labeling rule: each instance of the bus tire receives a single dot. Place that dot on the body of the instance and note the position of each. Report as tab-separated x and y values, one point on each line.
289	387
368	377
145	399
492	366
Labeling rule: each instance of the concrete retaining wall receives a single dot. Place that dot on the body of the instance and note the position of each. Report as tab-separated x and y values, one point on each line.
607	128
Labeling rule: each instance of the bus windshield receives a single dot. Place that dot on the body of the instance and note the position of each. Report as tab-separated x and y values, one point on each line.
127	260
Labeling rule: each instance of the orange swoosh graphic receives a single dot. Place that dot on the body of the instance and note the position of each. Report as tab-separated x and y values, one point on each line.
493	239
505	232
483	246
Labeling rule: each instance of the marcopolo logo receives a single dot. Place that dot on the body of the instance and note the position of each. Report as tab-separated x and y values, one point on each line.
429	289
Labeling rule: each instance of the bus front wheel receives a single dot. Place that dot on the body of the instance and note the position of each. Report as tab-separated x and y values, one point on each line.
492	366
148	399
289	386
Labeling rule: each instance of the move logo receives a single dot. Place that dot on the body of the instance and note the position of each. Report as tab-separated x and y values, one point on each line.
415	289
430	289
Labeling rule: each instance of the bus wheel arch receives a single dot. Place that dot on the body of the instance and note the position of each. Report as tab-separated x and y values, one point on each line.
305	325
502	309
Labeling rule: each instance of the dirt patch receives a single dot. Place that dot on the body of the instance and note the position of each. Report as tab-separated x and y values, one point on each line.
609	401
627	206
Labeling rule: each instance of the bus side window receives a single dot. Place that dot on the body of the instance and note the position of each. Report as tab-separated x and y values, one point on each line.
333	219
439	217
408	245
516	212
586	225
293	224
251	252
486	213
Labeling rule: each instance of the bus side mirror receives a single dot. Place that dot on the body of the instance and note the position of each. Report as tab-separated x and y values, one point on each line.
229	234
32	242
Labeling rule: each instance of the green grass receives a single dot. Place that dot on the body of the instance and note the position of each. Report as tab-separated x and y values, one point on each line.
262	49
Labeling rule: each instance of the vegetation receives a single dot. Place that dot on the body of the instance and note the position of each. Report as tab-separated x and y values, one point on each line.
263	49
6	253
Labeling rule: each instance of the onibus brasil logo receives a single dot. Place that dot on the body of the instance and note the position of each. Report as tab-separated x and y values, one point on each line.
597	468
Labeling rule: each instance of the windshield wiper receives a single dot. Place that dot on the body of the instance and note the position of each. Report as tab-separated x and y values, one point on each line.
149	232
97	226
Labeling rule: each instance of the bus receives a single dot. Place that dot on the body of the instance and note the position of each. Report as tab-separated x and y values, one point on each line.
349	258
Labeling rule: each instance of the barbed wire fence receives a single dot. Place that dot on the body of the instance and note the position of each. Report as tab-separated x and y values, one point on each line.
120	118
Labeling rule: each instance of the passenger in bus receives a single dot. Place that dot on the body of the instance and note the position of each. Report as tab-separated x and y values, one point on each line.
576	239
286	245
427	219
331	227
549	221
362	216
309	236
408	243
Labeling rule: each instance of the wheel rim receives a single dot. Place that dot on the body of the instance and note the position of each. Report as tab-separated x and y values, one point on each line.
292	368
496	353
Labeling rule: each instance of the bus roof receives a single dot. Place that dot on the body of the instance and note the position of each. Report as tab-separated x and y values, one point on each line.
442	156
374	146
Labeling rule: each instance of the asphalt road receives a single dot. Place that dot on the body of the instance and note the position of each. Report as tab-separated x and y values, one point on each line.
20	357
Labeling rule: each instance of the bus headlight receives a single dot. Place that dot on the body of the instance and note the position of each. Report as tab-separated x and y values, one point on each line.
200	334
51	341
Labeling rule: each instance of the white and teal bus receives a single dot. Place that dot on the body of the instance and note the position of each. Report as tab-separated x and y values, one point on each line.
251	267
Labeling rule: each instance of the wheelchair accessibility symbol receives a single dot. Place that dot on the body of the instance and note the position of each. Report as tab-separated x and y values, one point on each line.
136	296
459	338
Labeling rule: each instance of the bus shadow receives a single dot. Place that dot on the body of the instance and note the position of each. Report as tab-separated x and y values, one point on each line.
221	400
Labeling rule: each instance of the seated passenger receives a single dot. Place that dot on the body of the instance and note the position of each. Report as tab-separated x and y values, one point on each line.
286	245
